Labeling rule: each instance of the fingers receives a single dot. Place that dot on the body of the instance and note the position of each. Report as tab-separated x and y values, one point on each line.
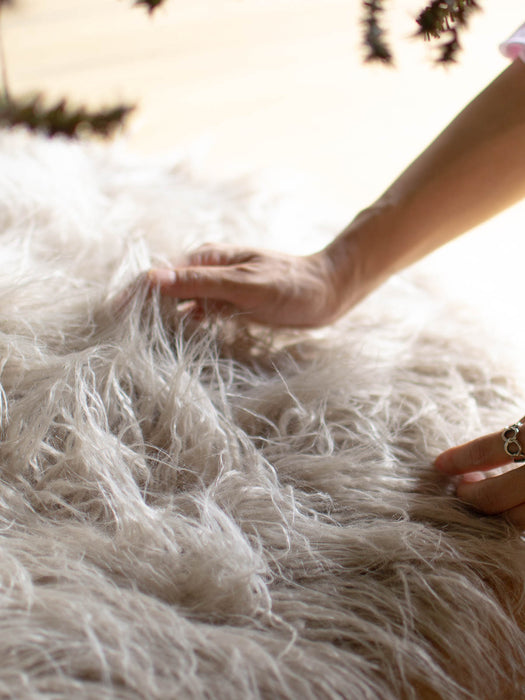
214	254
496	494
214	282
208	255
483	453
196	311
502	494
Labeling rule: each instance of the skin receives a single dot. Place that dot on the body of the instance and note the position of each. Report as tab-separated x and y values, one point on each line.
503	494
264	286
472	171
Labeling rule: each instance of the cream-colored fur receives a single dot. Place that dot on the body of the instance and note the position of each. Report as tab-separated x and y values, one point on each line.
218	512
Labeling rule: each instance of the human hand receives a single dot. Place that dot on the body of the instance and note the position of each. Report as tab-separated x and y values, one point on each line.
264	286
502	494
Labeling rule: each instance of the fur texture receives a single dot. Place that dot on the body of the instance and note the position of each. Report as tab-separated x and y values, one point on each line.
221	512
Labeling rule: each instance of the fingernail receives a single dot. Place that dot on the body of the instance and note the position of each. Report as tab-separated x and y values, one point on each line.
162	276
472	477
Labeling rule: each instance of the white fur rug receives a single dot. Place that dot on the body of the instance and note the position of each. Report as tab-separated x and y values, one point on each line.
217	512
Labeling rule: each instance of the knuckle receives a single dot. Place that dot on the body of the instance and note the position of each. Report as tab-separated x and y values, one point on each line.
478	453
212	258
193	276
487	499
200	252
489	496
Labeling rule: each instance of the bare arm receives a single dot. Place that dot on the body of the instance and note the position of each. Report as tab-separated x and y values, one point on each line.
473	170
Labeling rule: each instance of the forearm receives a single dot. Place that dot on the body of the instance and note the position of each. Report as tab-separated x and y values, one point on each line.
472	171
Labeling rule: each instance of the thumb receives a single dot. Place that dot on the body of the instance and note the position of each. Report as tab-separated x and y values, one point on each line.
203	282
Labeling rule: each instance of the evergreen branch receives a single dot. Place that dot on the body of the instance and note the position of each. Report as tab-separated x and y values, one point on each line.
374	35
60	118
150	4
446	16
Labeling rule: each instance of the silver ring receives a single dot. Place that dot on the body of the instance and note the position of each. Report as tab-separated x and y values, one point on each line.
511	444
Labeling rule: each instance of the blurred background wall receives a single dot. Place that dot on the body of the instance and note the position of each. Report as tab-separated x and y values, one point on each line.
281	83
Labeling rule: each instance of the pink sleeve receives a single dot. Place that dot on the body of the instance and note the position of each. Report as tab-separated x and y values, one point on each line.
514	47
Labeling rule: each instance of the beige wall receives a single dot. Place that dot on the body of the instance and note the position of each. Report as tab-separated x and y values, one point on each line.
276	83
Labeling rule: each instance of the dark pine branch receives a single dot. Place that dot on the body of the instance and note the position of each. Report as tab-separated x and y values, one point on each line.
374	35
446	17
60	118
152	5
438	18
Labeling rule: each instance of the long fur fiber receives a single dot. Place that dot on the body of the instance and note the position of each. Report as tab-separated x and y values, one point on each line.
219	512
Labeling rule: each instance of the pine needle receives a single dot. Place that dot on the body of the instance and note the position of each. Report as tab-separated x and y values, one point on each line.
60	118
152	5
446	17
374	38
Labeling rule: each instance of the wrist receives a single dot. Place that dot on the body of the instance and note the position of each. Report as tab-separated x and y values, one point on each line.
360	257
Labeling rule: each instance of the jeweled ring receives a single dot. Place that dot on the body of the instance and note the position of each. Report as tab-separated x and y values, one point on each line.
511	444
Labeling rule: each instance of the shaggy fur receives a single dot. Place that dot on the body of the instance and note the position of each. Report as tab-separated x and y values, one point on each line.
217	512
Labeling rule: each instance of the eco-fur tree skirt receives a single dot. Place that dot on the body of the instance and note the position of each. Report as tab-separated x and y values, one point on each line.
219	512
